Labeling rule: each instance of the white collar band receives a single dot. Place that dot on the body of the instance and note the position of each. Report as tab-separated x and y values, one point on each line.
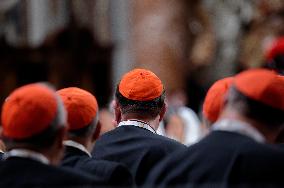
77	145
137	123
27	154
239	127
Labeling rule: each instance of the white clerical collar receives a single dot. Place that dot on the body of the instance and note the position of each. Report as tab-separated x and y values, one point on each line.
77	145
25	153
239	127
137	123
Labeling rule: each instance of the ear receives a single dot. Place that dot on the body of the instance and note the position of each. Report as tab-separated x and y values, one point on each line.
163	112
60	137
2	145
57	149
117	112
1	132
97	132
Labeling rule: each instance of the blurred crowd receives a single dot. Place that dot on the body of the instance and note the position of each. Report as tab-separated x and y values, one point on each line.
200	106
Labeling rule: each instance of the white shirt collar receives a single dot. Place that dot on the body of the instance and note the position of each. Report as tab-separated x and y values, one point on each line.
77	145
239	127
25	153
137	123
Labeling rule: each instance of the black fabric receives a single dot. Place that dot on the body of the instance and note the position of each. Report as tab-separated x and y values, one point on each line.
137	148
1	156
277	64
111	173
24	172
222	159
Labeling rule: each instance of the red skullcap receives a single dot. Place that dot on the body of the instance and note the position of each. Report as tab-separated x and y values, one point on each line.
140	85
277	48
28	111
261	85
214	100
81	106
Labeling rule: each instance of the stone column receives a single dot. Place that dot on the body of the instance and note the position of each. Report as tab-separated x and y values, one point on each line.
159	38
120	19
44	17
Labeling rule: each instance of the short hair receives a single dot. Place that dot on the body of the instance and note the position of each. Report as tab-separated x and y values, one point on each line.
257	111
85	131
150	108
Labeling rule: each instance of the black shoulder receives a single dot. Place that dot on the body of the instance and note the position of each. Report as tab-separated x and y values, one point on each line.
72	177
120	175
109	172
168	142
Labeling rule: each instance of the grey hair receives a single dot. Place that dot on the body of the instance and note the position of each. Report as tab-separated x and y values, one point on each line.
60	118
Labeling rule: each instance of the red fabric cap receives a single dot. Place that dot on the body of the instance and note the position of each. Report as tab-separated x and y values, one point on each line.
81	107
214	100
28	111
277	48
140	85
262	85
